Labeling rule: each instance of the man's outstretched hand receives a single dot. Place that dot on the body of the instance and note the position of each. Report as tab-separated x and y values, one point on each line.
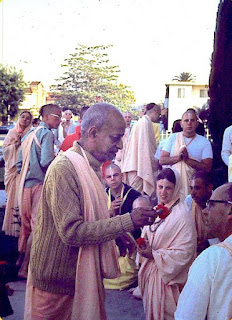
143	216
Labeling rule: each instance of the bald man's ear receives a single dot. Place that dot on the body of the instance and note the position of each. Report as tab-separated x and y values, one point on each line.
92	133
230	214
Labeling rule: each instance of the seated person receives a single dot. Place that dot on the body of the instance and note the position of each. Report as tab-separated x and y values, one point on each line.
201	190
120	201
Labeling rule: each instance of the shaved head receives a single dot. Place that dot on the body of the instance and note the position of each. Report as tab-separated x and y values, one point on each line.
97	116
142	201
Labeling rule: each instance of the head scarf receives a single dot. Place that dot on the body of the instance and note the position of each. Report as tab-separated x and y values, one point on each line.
17	127
176	193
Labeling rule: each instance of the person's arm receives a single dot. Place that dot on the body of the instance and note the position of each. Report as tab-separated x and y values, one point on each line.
56	140
68	218
204	165
226	146
47	149
165	158
19	162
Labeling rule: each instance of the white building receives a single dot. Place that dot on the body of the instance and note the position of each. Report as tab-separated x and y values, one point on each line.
182	95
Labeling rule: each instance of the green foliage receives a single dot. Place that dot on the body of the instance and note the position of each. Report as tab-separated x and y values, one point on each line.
12	88
184	76
87	74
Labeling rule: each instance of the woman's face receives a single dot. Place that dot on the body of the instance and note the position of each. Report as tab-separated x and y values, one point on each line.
24	120
165	190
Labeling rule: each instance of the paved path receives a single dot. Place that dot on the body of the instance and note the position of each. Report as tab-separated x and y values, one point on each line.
120	305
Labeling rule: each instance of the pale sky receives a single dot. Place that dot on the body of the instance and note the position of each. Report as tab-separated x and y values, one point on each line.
153	40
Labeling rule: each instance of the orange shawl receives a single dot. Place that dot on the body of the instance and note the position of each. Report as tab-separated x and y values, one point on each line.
198	218
95	261
11	179
173	248
26	147
184	170
138	163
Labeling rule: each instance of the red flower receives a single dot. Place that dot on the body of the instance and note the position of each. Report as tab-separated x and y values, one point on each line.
141	242
162	211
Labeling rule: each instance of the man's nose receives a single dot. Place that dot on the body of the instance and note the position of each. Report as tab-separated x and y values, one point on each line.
205	211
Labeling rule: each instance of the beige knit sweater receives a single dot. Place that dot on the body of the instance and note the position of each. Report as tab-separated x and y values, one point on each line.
60	229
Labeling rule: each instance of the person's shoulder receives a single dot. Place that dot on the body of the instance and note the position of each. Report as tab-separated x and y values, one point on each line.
202	140
131	190
228	129
214	253
189	200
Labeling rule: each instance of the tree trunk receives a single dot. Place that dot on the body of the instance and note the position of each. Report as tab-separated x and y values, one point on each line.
220	82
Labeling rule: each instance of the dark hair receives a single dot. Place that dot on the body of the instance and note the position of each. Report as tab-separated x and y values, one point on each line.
203	176
35	120
191	110
152	105
176	127
167	174
48	108
25	111
83	110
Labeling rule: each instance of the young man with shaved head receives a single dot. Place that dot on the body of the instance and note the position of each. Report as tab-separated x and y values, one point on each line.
120	198
208	291
187	151
72	247
36	154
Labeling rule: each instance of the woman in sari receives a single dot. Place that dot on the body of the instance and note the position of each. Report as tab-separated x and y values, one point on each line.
169	251
11	144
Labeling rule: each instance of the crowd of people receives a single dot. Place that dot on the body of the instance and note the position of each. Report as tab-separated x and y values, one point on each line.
109	205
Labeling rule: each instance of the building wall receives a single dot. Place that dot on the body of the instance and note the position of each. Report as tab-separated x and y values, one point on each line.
184	95
35	97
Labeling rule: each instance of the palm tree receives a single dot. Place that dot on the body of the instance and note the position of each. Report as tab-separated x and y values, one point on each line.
184	76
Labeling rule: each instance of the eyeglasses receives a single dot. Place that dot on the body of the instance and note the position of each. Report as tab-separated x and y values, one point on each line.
208	202
55	115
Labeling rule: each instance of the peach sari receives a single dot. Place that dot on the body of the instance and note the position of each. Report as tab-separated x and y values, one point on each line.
173	248
10	152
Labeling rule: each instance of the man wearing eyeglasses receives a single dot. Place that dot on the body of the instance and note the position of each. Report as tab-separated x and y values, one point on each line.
36	154
208	291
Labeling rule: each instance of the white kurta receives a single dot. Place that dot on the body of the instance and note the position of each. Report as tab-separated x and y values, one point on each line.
208	291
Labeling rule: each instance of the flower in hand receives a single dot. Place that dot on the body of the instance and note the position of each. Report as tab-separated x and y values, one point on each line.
162	211
141	242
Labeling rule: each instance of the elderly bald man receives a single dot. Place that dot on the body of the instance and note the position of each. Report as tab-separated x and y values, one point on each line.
208	291
73	235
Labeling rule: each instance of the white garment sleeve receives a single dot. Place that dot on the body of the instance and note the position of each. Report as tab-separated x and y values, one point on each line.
226	145
189	201
169	143
194	299
207	152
